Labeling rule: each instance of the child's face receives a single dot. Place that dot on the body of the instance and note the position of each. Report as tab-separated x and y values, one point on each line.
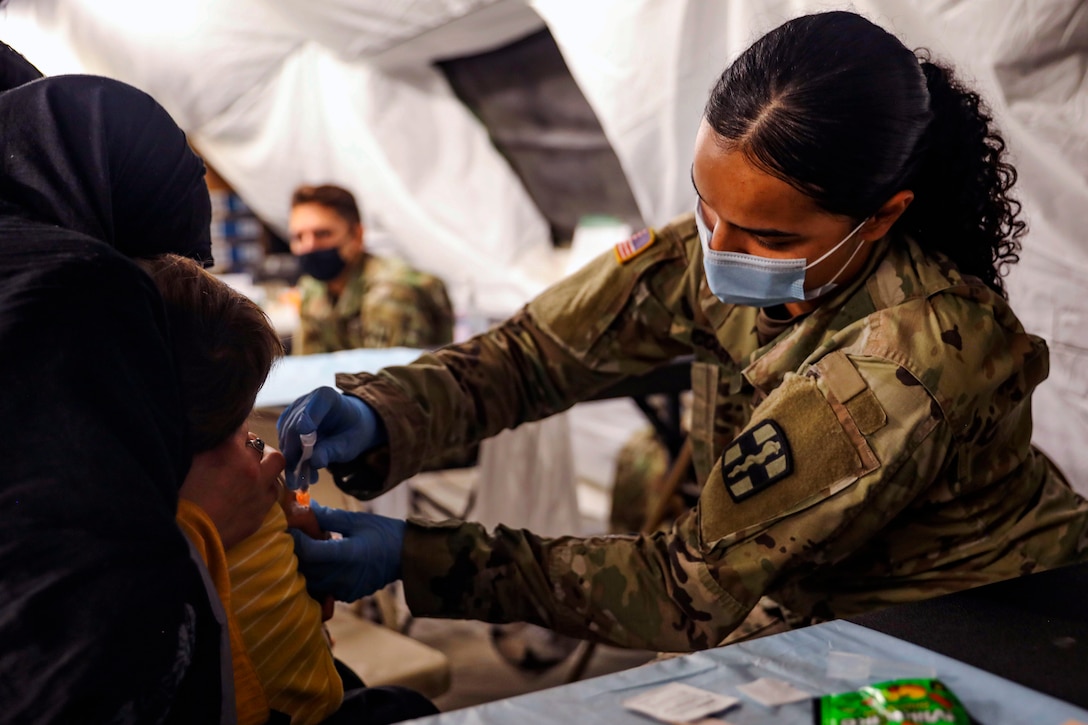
235	483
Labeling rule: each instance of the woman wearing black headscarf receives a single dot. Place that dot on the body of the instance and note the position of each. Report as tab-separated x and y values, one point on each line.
103	614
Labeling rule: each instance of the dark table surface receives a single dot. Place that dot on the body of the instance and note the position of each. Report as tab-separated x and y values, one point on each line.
1032	630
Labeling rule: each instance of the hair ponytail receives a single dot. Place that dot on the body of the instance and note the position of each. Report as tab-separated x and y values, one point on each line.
962	206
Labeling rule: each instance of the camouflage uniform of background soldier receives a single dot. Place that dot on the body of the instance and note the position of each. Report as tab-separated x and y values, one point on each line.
640	465
386	303
876	451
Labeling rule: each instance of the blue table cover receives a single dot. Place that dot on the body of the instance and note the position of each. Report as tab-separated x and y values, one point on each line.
799	657
297	375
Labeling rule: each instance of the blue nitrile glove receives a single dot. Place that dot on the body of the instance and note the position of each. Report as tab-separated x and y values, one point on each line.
361	563
345	427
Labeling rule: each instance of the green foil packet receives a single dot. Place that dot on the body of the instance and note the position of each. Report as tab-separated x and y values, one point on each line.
902	702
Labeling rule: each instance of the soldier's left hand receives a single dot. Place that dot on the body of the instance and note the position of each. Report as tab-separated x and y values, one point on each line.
367	558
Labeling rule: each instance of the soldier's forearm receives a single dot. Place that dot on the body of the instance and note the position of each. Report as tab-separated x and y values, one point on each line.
628	591
456	396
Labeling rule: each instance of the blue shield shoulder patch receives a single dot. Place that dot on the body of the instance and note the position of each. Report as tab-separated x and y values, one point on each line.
757	459
638	243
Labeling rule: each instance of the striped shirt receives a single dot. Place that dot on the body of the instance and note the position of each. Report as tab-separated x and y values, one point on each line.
281	624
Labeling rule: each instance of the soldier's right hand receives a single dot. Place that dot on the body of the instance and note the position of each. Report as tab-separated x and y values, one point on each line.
366	558
346	427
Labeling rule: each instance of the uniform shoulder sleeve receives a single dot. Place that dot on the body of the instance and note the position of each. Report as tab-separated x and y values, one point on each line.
845	425
966	347
612	307
828	460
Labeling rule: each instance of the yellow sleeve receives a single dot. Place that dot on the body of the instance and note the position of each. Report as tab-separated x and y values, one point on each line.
250	700
281	624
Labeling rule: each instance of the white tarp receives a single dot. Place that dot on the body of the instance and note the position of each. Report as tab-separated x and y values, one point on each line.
277	92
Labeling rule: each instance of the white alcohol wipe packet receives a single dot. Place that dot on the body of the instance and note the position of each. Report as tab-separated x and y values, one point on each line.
679	703
771	692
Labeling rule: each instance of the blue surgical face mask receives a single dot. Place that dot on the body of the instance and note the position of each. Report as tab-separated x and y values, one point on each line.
746	279
324	264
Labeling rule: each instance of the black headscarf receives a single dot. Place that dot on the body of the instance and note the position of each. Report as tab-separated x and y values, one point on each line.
15	70
97	156
103	614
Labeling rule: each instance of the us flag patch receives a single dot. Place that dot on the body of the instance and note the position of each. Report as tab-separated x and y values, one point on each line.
630	248
757	459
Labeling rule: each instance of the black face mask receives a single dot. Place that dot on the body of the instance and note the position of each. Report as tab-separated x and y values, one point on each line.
324	264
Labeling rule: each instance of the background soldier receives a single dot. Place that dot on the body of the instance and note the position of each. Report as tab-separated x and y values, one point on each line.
350	298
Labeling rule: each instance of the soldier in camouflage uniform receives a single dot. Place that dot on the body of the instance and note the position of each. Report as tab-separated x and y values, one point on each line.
352	299
862	431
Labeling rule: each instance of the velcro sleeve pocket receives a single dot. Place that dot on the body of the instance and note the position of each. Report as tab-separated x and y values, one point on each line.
800	448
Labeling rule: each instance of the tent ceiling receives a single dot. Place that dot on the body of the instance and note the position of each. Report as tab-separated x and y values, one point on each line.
539	120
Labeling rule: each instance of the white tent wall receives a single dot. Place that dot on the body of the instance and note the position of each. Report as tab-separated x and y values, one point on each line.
276	92
274	97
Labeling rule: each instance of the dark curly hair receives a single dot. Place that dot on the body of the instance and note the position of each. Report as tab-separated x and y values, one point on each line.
840	109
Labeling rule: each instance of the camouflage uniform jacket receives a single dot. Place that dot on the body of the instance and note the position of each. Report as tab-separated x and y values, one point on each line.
386	303
877	451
